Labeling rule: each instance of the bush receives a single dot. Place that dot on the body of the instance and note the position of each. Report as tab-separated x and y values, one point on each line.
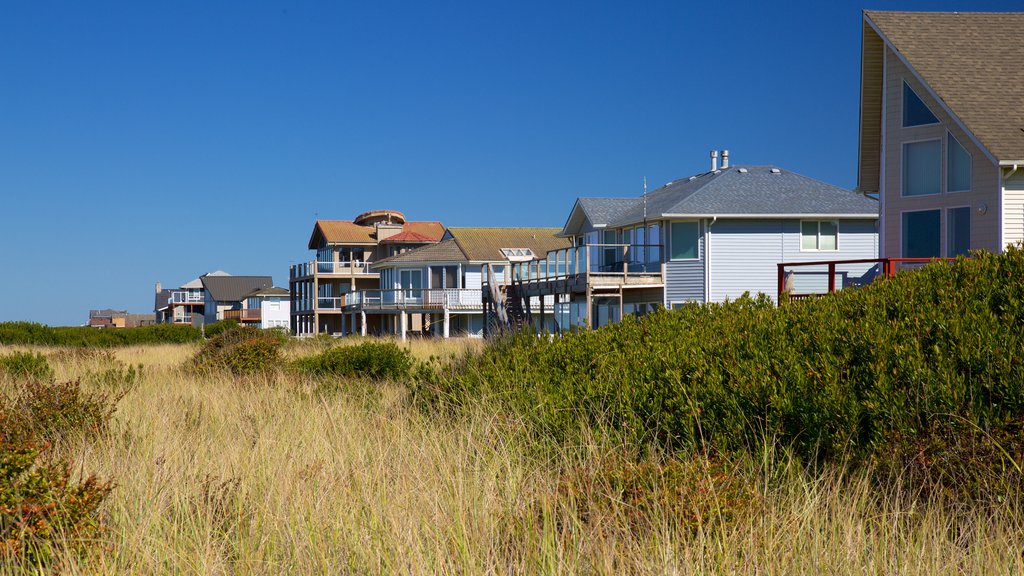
919	359
42	510
240	350
32	334
26	365
52	411
374	360
220	327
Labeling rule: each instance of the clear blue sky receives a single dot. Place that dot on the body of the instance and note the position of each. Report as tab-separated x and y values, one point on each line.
145	141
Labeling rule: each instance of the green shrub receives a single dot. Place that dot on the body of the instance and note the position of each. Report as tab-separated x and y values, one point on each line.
32	334
43	511
26	365
54	411
240	350
865	372
374	360
220	327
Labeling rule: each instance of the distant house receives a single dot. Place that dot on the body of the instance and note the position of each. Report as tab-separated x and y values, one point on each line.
345	251
223	294
264	308
108	318
942	130
705	238
436	289
184	304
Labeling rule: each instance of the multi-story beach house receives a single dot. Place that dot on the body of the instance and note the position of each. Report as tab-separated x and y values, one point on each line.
225	296
345	251
437	289
942	130
184	304
263	308
704	238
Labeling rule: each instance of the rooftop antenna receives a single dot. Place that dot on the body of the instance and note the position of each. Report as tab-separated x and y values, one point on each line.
645	201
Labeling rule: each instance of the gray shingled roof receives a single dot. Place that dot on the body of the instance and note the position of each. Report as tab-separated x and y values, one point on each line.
163	299
756	192
604	211
234	288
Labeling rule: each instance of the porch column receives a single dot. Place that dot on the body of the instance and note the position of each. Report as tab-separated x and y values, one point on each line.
540	329
404	320
447	322
342	324
362	321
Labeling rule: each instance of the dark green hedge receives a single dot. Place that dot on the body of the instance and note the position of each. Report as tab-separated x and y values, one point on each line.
30	333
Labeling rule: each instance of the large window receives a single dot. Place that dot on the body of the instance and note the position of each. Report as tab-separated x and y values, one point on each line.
915	112
958	166
921	233
685	240
958	231
819	235
922	170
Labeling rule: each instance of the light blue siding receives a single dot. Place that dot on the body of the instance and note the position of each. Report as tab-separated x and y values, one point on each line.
684	279
744	255
473	279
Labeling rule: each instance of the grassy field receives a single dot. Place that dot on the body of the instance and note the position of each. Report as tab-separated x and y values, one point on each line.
284	474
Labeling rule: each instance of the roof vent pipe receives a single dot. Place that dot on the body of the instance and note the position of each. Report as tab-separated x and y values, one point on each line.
714	160
725	159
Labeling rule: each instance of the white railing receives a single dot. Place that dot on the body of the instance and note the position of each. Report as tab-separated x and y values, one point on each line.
330	302
186	297
419	298
325	267
593	259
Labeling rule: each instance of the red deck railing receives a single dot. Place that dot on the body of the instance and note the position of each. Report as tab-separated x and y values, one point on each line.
887	269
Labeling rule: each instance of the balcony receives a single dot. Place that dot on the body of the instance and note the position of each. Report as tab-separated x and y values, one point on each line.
183	318
321	268
244	315
186	297
595	265
417	299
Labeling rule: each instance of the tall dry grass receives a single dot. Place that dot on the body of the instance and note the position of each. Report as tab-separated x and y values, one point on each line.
283	475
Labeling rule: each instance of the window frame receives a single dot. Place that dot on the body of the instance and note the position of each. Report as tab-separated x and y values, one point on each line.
817	238
942	236
970	164
672	242
903	108
903	167
945	228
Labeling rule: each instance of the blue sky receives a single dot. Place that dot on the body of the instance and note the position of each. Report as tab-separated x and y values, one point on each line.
158	141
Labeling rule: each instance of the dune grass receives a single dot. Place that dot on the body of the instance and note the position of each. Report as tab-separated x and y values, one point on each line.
280	474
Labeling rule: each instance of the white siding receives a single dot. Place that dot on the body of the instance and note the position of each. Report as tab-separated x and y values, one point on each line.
684	279
274	312
745	254
473	277
1013	210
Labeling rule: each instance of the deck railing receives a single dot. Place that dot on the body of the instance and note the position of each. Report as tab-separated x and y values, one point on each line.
803	280
244	315
611	260
321	267
186	297
418	298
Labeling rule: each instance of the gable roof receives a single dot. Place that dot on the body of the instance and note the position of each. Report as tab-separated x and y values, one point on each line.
739	192
444	251
973	63
481	245
234	288
348	232
485	244
163	299
272	291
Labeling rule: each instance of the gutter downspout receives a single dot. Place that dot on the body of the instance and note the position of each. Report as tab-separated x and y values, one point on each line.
707	258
